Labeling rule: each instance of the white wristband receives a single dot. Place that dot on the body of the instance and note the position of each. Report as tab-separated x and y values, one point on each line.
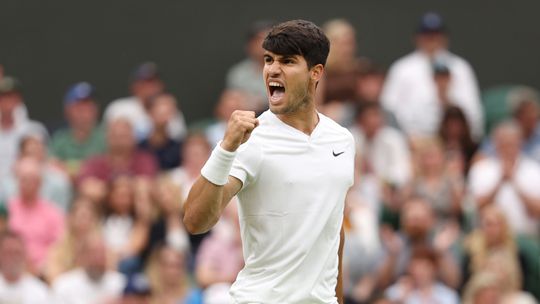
217	167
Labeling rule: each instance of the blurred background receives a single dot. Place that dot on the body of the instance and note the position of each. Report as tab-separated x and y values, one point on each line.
109	110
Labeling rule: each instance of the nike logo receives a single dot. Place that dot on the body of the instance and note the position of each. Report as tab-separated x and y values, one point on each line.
337	154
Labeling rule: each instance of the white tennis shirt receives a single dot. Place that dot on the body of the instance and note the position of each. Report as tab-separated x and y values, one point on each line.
291	210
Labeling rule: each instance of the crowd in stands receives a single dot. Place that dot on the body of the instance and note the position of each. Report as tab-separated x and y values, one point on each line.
445	207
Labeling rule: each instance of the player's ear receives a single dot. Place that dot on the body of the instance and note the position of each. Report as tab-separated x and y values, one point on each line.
317	72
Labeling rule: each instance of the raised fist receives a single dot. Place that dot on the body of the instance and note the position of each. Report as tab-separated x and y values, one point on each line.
239	128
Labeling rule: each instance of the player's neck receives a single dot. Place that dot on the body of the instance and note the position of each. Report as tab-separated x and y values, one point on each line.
304	120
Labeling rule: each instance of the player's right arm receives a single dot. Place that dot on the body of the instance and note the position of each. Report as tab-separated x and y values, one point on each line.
209	196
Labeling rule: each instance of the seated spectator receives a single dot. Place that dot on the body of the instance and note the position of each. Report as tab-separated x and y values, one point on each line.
420	285
13	124
436	182
220	256
417	222
383	149
121	158
55	186
145	83
195	151
493	238
82	221
39	222
17	285
229	101
91	282
455	134
82	138
166	272
362	240
509	180
526	114
165	149
246	75
412	92
127	222
342	65
167	227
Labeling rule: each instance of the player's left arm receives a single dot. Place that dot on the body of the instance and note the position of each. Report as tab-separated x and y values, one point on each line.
339	285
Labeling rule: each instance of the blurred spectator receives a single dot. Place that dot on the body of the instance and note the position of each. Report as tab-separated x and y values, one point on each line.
166	272
55	184
39	223
229	101
417	222
220	256
83	220
91	282
246	75
384	150
166	149
494	239
526	114
145	83
16	285
196	151
455	134
362	239
342	65
420	285
127	221
82	138
167	227
121	158
412	93
482	288
437	181
510	180
13	123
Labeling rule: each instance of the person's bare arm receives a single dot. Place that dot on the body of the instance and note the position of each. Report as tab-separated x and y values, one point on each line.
207	200
339	285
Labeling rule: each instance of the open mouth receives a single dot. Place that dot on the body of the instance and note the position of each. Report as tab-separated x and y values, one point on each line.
277	90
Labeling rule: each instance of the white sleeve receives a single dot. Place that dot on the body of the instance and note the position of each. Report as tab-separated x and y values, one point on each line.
247	162
391	92
401	170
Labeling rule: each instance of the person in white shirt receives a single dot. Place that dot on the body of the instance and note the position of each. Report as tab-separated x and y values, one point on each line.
291	168
382	147
92	282
145	83
411	92
16	285
510	180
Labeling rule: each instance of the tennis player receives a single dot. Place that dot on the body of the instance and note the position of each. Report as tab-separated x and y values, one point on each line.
291	168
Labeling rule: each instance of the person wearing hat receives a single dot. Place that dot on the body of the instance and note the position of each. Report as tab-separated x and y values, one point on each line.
82	137
145	84
410	90
14	123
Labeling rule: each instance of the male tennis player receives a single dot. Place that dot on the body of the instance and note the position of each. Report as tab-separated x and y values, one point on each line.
291	169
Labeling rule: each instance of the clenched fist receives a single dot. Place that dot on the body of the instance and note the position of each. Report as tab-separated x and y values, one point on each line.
239	128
